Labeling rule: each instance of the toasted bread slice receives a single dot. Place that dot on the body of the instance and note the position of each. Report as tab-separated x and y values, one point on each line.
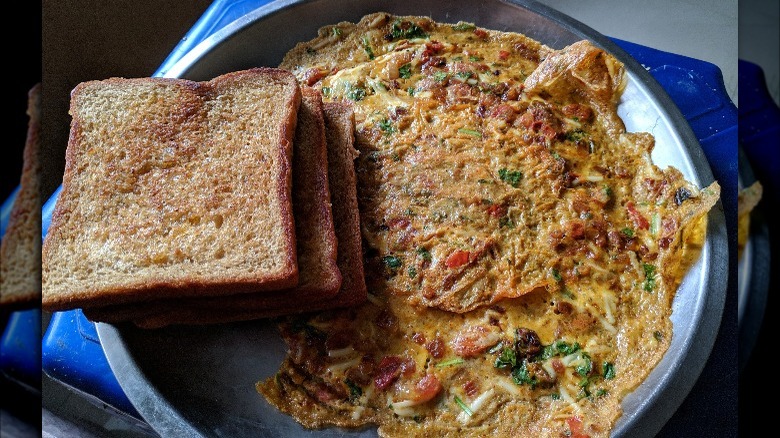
319	276
339	124
20	251
175	188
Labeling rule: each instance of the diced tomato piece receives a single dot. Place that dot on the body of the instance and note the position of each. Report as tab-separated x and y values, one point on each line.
457	258
473	340
575	426
496	210
312	75
503	55
480	33
427	388
636	217
388	371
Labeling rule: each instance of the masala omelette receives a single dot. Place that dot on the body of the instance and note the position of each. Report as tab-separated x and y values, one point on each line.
521	249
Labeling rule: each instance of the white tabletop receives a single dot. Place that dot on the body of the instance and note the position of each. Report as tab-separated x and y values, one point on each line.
701	29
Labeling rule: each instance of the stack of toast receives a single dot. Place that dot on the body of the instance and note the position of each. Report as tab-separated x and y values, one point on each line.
205	202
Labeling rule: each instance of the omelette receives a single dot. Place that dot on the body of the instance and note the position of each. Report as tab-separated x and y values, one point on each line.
521	249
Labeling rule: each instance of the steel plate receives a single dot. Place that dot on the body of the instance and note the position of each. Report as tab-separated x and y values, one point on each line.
199	381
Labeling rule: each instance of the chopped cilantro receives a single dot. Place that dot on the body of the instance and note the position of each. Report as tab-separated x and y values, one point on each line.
424	254
522	376
506	222
601	392
336	32
576	135
354	92
609	370
440	76
392	262
507	359
474	58
411	91
607	191
412	272
649	283
556	275
405	71
559	348
628	232
386	126
355	391
584	369
511	177
406	29
463	75
555	396
463	26
326	91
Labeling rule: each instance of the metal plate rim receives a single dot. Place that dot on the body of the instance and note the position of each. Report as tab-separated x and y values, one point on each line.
652	413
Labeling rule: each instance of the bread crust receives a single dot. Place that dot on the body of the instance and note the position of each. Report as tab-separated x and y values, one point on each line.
20	251
203	284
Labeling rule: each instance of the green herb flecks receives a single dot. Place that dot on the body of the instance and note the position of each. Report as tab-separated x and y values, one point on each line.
475	58
522	376
440	76
628	232
424	253
450	362
655	224
405	71
462	26
412	272
336	32
609	370
411	91
506	222
406	30
355	391
511	177
386	126
649	283
354	92
463	406
559	348
556	275
507	359
471	132
585	366
392	262
463	75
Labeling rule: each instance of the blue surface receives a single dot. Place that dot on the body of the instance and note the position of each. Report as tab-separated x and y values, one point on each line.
73	354
20	351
